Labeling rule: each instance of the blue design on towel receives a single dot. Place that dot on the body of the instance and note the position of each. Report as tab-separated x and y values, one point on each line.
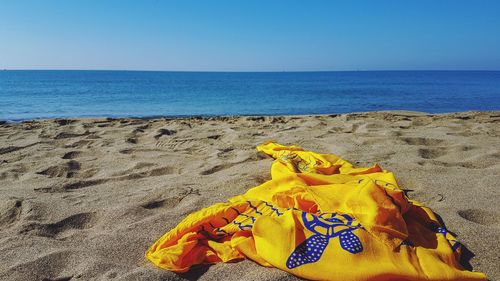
442	230
254	208
241	226
273	208
455	245
325	227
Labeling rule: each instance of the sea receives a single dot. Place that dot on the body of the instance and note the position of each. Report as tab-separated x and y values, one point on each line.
27	94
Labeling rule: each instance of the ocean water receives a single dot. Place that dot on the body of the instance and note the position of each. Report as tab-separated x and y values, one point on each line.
49	94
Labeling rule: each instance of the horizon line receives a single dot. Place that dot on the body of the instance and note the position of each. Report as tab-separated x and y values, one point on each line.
249	71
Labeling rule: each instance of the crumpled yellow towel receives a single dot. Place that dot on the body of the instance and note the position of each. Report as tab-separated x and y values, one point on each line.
319	218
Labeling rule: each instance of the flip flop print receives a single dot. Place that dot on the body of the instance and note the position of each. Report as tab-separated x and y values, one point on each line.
325	226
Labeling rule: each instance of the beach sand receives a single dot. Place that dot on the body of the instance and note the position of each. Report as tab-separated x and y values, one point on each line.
83	199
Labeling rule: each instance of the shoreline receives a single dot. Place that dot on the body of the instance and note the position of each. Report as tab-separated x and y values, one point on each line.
216	117
84	198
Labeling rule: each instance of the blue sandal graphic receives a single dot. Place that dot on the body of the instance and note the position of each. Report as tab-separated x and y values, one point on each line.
325	227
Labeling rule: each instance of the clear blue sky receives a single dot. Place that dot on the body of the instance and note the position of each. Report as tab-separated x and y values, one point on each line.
252	35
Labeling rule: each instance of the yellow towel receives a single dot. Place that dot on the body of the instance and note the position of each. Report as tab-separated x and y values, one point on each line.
319	218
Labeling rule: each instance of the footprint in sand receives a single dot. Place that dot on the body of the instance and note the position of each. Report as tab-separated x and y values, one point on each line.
61	228
68	170
170	202
132	140
164	132
71	155
160	203
67	135
226	153
432	153
61	187
214	137
422	141
176	144
161	171
215	169
14	173
10	211
482	217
